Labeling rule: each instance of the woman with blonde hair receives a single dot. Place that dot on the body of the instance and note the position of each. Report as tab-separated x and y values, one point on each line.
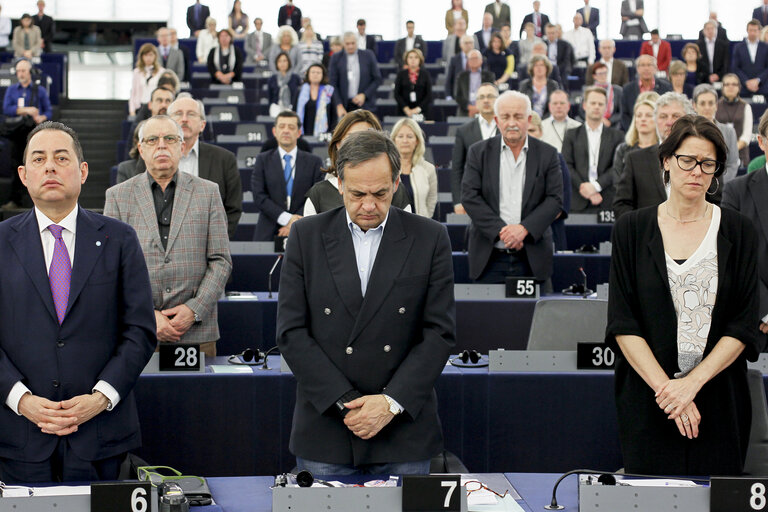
286	41
145	76
310	50
207	40
641	134
417	176
456	11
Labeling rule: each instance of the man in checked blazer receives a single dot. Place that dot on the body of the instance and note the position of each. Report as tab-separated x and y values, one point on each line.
182	228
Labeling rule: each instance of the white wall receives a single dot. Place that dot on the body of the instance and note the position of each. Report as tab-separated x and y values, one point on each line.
387	17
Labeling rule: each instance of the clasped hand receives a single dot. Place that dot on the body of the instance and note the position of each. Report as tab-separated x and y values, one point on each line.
368	415
513	236
61	418
675	398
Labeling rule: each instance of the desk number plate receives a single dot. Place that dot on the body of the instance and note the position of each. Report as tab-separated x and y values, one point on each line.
121	497
738	494
522	287
436	493
176	357
594	356
605	217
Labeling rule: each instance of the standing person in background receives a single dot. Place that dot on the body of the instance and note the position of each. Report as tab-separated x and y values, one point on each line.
456	11
207	40
196	16
47	26
413	87
289	14
582	41
411	41
238	20
632	22
170	58
500	12
554	127
355	76
591	17
27	39
282	86
315	104
257	43
310	50
5	32
225	63
539	20
734	111
660	49
641	134
617	70
286	41
715	52
416	174
145	76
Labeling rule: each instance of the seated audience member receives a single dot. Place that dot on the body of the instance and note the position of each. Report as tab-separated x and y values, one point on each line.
526	45
733	110
705	104
617	70
452	43
281	179
225	63
632	21
145	77
355	76
483	35
417	176
660	49
480	128
287	41
314	102
457	64
588	150
456	11
752	71
560	52
499	60
468	82
282	86
558	226
324	195
510	233
696	66
612	115
641	134
365	41
553	128
582	40
170	57
238	21
180	223
27	39
715	52
207	40
335	46
310	50
127	168
539	86
540	49
646	81
413	87
678	77
640	184
257	44
411	41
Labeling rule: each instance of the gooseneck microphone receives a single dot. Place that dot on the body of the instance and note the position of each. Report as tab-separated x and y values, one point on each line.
269	277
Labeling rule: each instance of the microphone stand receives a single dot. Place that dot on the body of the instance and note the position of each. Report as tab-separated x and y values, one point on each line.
269	278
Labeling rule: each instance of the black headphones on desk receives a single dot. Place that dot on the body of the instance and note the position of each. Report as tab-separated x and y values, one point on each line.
469	359
250	357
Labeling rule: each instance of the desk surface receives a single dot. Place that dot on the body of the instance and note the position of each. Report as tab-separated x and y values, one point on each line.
252	494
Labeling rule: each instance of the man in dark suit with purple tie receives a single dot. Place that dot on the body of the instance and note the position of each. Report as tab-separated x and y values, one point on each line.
196	16
76	325
750	61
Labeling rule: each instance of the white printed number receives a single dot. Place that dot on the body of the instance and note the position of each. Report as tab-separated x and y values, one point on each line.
225	116
607	216
138	501
451	487
525	287
603	356
186	357
757	500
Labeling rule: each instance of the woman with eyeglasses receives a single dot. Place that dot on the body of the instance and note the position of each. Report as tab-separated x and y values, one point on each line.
682	309
733	110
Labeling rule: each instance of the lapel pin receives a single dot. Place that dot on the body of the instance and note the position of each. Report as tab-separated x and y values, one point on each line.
98	243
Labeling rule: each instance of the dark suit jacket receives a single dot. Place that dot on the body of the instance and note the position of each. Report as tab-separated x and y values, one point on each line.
370	43
565	60
503	17
625	11
273	89
758	14
746	194
665	53
219	166
640	184
594	19
270	193
466	135
576	154
418	44
238	70
370	77
462	88
108	333
452	73
293	20
722	34
526	87
205	12
47	30
542	202
618	95
422	88
630	94
396	339
529	18
743	66
721	59
479	37
619	74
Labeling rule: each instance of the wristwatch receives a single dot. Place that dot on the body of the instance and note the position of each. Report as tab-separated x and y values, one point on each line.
393	408
197	318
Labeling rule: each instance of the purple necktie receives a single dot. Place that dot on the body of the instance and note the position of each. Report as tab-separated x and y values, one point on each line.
60	273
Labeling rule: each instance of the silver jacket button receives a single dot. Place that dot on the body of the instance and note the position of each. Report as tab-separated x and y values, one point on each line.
327	311
349	350
401	311
387	348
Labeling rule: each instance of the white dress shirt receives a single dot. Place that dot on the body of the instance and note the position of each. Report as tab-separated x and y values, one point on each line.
409	42
189	163
487	129
511	183
609	65
69	223
361	42
711	54
285	217
593	141
752	48
583	43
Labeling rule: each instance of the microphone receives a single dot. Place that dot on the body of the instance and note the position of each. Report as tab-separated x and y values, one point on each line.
264	366
269	278
605	478
587	291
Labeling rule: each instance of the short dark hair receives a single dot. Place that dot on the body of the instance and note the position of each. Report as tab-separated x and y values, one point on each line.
594	89
289	113
750	22
152	96
361	147
361	21
655	32
323	80
693	126
55	125
342	127
290	64
410	21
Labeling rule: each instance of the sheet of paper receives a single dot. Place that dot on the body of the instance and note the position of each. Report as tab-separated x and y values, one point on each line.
656	482
226	368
